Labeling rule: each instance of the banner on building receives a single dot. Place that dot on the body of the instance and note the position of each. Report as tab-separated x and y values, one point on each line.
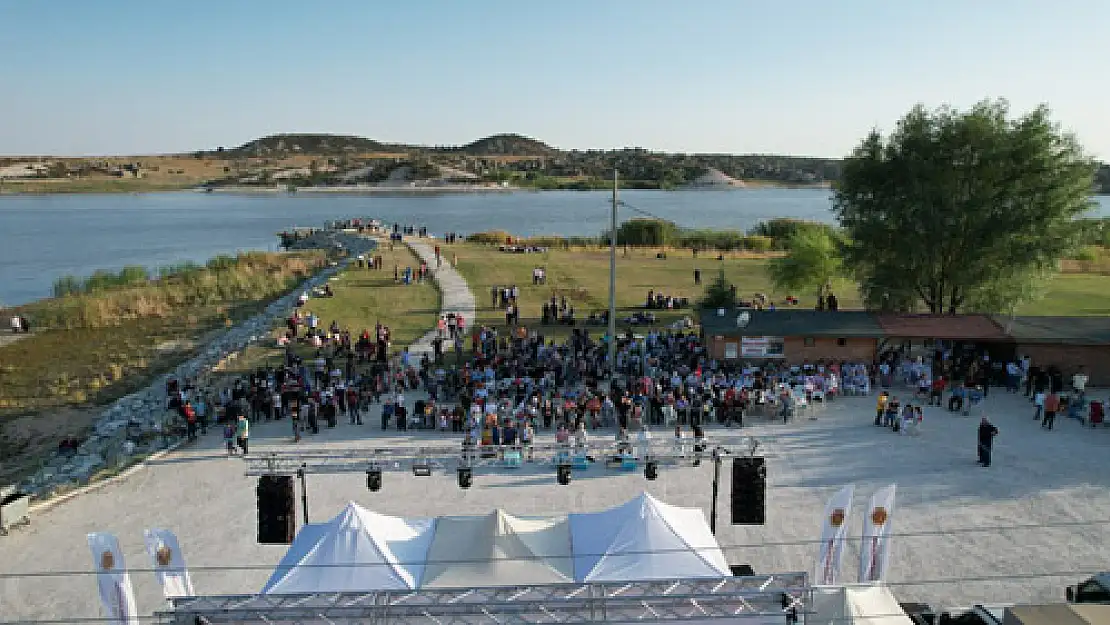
169	563
117	598
874	552
833	533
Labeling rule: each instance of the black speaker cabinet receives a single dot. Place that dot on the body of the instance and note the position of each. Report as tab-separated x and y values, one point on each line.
277	510
749	491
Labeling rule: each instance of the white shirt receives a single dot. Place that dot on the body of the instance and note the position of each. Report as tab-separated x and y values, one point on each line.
1079	381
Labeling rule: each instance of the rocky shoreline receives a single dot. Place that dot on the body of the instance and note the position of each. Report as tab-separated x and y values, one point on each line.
130	430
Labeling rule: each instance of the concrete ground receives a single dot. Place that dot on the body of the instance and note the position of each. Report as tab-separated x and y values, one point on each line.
1018	531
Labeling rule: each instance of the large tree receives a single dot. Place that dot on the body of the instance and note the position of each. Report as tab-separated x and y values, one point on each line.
813	262
961	210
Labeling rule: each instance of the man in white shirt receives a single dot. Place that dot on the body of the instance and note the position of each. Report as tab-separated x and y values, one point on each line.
1079	381
1013	377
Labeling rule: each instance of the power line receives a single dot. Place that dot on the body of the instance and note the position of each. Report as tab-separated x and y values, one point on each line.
726	548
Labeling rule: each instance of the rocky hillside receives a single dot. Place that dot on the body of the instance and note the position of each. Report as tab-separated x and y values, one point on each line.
507	145
314	144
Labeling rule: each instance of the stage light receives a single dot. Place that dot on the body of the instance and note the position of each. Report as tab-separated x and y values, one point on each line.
562	474
421	470
466	477
374	480
651	470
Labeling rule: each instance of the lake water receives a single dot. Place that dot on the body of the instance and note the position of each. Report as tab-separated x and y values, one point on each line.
48	236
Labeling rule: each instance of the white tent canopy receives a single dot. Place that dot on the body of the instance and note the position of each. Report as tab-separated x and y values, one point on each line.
499	550
356	551
644	539
862	604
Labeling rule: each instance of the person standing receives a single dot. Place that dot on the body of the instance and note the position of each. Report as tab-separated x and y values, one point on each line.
987	432
1051	407
242	432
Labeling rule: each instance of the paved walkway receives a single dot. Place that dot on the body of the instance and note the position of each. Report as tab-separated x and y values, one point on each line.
455	294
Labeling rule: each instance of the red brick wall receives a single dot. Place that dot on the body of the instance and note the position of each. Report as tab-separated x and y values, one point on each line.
1094	358
854	349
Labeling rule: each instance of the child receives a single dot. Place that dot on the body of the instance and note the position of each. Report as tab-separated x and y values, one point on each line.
1038	405
229	438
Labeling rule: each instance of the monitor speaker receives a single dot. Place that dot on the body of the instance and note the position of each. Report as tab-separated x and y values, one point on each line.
277	510
749	490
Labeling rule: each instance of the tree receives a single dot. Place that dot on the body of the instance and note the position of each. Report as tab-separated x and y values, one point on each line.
719	293
813	263
952	201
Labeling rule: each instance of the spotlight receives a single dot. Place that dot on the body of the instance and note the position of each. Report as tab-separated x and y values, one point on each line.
562	474
466	477
651	470
421	470
374	480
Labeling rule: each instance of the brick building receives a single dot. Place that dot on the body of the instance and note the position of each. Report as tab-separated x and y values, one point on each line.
1066	342
791	335
797	336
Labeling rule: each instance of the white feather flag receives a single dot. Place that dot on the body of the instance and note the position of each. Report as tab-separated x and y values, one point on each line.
169	563
874	552
117	598
833	532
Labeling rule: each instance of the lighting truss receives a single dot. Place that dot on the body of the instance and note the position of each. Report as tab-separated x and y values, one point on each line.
447	458
755	599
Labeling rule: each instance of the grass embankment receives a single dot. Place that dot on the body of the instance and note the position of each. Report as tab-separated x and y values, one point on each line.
363	298
93	185
97	345
1083	287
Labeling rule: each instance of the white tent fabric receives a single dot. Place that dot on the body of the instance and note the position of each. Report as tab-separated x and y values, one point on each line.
644	539
356	551
855	604
499	550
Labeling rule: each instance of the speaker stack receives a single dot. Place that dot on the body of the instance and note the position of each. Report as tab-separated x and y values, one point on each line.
749	490
277	510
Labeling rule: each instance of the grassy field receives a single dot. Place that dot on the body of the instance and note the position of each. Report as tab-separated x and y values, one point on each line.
363	298
583	274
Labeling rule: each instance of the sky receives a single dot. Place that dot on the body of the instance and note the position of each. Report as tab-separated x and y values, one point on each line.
805	77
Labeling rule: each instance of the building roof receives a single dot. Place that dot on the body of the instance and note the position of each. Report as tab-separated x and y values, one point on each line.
944	327
840	324
1058	330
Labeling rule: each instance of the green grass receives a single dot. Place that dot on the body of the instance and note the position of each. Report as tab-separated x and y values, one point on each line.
585	273
363	298
1079	294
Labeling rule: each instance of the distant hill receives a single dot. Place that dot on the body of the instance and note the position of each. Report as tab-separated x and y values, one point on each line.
313	144
507	145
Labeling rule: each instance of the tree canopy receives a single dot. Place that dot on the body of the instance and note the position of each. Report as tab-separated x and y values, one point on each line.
961	210
813	263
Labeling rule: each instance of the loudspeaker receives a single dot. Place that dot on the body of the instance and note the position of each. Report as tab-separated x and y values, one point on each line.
749	488
277	510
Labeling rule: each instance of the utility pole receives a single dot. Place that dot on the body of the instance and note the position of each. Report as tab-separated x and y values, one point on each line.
613	286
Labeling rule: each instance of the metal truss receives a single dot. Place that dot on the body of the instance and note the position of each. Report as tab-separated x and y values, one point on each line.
755	599
448	457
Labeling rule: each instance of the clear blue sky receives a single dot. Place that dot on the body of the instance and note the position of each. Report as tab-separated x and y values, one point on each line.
798	77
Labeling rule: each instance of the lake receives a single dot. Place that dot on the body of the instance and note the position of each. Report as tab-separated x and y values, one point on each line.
43	237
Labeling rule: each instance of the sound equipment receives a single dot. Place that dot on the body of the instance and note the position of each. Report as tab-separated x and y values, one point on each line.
277	510
749	488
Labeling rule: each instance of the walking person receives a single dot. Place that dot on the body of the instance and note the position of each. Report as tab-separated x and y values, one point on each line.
987	432
1051	407
242	432
229	438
